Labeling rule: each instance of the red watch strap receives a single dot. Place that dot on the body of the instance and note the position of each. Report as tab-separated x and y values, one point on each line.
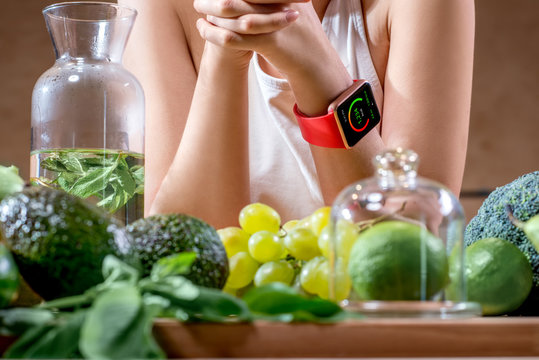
320	130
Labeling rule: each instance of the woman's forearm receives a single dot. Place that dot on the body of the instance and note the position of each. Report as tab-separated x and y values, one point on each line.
209	176
336	168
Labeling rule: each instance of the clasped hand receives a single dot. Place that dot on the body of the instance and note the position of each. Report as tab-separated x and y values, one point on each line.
283	31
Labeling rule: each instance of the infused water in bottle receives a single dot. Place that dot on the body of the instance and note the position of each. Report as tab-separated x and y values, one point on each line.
87	134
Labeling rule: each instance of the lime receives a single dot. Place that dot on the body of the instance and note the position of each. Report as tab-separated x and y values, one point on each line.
397	260
9	277
498	275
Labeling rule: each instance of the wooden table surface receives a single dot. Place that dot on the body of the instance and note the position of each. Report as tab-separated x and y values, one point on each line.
477	337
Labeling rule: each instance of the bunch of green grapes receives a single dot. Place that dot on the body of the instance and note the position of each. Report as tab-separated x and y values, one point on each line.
296	253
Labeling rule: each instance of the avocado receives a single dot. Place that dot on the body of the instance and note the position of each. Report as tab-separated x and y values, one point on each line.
163	235
59	241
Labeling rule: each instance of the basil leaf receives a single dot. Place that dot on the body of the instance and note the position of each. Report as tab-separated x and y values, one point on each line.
277	298
56	340
118	326
137	172
171	287
72	163
18	320
94	181
107	200
139	189
104	175
115	270
111	315
66	180
52	163
19	349
96	162
178	264
70	302
125	180
118	198
213	305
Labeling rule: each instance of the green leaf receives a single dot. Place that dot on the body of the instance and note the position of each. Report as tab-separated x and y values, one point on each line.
96	180
19	349
139	189
171	287
17	320
10	181
104	175
277	298
137	172
126	181
70	302
96	162
212	305
53	163
118	326
66	180
115	270
55	340
107	202
71	162
123	187
178	264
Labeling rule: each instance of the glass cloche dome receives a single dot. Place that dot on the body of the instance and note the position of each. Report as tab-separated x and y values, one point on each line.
397	244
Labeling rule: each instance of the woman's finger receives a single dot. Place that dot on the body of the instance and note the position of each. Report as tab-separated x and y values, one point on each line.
219	36
276	1
234	8
256	23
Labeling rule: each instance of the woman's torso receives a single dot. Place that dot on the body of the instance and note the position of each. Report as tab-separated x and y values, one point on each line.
281	166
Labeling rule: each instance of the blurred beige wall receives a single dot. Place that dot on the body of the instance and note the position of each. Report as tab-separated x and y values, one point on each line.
504	128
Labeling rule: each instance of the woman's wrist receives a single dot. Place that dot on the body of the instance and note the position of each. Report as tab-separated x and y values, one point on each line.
318	83
224	58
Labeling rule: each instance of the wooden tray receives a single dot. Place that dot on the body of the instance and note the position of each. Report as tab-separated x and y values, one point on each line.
478	337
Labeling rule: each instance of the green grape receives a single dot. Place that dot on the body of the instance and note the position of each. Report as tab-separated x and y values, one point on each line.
320	219
324	241
347	234
256	217
342	283
322	279
302	243
242	270
313	276
289	225
315	279
234	240
297	286
304	223
266	246
274	271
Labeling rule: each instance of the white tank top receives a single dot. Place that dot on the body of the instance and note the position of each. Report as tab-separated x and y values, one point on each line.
282	170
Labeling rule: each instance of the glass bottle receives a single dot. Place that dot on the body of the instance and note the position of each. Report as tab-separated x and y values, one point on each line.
397	244
87	134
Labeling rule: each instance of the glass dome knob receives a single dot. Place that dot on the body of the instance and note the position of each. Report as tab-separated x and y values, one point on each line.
396	168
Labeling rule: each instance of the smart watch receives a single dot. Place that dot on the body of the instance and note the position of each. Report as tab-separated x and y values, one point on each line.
350	117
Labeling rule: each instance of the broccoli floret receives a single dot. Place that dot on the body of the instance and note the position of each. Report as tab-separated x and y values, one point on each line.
492	219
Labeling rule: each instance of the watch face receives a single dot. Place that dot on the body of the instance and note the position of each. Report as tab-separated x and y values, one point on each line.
357	114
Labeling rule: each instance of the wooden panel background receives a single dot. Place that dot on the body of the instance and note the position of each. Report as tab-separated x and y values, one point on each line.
505	106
